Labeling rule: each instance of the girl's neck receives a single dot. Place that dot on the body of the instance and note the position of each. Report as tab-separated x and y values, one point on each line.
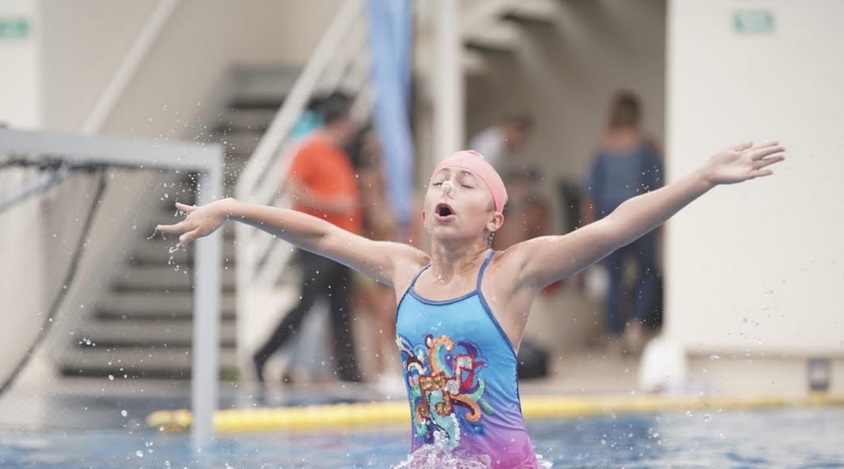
450	262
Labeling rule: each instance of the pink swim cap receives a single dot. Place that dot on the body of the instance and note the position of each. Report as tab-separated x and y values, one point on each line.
475	162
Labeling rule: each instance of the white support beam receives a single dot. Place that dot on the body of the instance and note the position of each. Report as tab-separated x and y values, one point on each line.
114	151
206	320
449	94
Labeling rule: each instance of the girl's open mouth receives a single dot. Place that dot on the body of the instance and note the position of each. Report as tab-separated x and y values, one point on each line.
443	212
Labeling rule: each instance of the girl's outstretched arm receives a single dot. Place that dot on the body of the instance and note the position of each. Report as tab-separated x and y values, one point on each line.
377	259
544	260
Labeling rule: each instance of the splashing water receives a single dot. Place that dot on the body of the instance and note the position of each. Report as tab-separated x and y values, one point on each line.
172	259
436	456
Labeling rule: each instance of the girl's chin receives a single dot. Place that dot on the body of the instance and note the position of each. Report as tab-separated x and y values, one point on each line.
448	234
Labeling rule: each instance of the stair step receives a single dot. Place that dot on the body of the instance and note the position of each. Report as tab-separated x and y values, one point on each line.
533	11
473	62
240	141
163	279
244	120
264	103
264	80
176	304
152	316
156	251
158	362
111	334
500	37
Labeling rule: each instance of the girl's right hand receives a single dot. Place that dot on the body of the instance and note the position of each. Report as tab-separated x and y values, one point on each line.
200	221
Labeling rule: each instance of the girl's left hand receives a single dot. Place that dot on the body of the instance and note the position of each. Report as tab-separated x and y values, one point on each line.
743	162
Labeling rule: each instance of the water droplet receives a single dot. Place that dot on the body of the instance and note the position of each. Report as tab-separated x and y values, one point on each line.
124	413
111	377
139	453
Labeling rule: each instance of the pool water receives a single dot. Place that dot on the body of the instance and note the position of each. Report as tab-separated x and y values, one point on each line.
783	438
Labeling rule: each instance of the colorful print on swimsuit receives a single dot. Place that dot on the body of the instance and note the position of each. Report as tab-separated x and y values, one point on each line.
446	390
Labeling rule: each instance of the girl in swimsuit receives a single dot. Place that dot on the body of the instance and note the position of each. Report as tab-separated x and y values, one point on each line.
463	307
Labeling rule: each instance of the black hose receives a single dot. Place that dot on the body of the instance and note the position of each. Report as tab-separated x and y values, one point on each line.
65	286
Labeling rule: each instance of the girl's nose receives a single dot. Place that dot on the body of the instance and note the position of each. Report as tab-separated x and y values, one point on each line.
448	188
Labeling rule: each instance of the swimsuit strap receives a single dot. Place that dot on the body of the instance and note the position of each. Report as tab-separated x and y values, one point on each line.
483	268
416	277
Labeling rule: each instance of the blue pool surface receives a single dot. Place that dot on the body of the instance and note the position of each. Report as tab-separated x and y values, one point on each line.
782	438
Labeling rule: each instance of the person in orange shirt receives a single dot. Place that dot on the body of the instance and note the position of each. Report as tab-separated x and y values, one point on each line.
322	183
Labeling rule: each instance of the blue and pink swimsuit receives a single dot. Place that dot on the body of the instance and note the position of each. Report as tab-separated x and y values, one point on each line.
460	372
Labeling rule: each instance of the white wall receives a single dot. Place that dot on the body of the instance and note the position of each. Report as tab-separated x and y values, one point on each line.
85	41
20	79
178	82
758	268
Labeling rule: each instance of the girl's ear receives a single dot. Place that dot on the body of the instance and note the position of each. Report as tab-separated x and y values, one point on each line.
495	222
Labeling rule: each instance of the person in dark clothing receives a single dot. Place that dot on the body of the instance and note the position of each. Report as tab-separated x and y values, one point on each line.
624	165
322	183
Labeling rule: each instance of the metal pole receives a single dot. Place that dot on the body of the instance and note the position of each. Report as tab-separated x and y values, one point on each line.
206	321
448	93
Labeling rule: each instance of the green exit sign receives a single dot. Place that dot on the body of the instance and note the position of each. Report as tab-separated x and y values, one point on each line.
14	28
753	21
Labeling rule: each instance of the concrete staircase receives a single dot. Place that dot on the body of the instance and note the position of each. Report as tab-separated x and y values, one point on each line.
142	326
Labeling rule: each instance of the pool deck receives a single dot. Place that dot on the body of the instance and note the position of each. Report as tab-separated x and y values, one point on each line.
583	382
586	371
38	400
